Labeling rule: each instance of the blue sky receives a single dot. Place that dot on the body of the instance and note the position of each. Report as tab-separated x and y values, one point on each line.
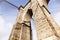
9	13
54	8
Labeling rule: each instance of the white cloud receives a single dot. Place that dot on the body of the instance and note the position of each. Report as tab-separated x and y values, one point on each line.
1	24
33	30
1	21
5	29
0	9
56	16
9	25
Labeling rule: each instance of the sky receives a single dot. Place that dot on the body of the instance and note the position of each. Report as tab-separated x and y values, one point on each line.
9	13
54	8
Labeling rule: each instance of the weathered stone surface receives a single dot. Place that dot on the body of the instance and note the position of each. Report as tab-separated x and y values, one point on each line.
22	28
46	27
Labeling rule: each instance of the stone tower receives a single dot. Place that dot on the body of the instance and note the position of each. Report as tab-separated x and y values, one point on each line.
46	27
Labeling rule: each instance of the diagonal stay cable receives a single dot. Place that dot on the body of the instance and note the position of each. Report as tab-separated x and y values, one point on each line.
1	1
10	3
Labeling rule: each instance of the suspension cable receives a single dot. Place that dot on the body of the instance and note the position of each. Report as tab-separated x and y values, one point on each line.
11	4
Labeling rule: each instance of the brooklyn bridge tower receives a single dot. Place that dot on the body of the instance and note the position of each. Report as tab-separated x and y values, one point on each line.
46	27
